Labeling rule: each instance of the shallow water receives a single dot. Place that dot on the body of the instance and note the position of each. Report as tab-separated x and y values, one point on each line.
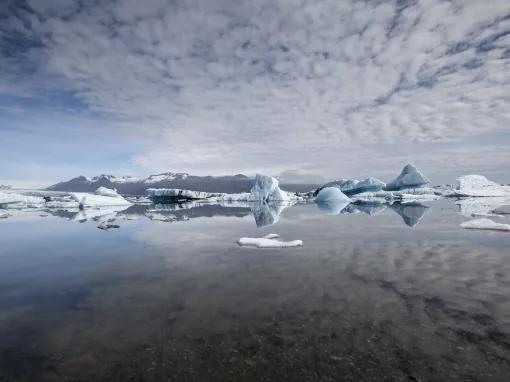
404	294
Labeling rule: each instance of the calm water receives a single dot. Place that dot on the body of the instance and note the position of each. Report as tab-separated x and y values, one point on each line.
404	294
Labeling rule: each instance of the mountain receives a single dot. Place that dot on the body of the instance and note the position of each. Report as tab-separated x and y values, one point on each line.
130	185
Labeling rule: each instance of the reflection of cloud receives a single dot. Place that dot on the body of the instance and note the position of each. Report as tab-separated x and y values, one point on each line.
431	295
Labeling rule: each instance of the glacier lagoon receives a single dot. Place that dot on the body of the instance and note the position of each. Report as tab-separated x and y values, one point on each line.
377	292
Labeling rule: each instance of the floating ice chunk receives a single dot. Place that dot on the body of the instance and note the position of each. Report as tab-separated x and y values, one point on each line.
16	200
91	200
266	189
331	200
106	226
478	185
354	186
410	177
269	241
331	195
485	223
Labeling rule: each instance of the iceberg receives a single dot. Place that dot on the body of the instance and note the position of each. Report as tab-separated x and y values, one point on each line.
485	224
16	200
265	188
331	195
331	200
268	241
410	177
98	200
478	185
354	186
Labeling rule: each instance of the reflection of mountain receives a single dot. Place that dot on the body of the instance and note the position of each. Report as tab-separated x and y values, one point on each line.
411	213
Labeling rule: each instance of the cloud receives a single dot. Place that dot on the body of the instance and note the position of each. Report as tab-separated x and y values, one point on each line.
269	85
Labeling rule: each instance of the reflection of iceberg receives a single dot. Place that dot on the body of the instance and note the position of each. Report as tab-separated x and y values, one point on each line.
481	206
332	207
411	213
267	213
99	214
485	224
369	208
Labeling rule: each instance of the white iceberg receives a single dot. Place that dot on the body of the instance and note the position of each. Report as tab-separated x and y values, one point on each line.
92	200
410	177
268	241
485	224
478	185
265	189
16	200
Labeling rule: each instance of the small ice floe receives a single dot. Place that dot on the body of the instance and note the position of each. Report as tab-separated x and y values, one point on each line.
268	241
485	224
107	226
4	215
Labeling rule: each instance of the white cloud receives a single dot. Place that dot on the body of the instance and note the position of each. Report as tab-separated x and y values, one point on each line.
275	85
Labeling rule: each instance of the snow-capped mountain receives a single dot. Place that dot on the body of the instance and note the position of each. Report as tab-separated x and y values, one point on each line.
130	185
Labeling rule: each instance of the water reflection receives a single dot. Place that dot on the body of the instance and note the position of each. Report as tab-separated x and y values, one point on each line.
264	214
364	298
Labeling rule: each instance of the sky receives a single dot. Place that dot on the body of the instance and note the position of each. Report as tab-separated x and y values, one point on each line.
306	90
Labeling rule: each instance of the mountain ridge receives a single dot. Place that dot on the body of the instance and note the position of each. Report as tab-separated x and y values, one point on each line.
132	185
